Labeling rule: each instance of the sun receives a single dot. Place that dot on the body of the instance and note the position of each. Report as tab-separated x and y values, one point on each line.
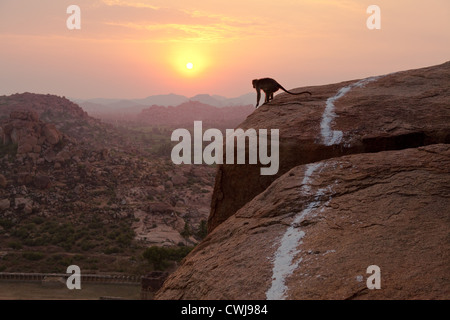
189	65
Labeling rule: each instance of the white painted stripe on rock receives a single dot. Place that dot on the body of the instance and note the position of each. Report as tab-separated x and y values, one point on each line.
284	262
329	136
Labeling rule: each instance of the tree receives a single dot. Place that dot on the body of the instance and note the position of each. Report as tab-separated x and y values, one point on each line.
203	229
186	233
157	256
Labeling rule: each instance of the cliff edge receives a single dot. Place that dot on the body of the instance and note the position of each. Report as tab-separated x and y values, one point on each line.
390	112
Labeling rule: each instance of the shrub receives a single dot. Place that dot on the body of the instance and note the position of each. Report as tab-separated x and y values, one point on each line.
203	229
87	245
38	220
6	223
56	258
164	149
177	254
111	250
21	233
15	245
113	234
186	231
95	225
8	149
33	256
157	256
124	239
50	227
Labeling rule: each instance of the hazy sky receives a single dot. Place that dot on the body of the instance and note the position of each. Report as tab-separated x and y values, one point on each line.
137	48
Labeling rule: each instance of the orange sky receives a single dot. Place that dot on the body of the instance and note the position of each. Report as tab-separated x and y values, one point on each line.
137	48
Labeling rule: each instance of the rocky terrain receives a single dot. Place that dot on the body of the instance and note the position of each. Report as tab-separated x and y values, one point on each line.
363	180
70	184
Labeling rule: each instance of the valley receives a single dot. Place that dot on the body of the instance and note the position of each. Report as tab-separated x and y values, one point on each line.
79	190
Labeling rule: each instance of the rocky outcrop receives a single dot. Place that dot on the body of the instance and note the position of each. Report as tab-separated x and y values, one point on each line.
29	134
24	204
44	105
315	230
61	115
363	181
396	111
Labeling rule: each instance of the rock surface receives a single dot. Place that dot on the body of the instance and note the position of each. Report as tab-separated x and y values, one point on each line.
315	230
396	111
363	180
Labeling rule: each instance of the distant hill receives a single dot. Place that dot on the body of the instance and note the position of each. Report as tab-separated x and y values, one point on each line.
101	106
45	105
67	117
190	111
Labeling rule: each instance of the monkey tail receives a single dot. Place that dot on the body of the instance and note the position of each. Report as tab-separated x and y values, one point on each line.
293	92
302	93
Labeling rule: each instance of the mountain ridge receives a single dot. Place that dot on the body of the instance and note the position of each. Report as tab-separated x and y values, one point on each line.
101	105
